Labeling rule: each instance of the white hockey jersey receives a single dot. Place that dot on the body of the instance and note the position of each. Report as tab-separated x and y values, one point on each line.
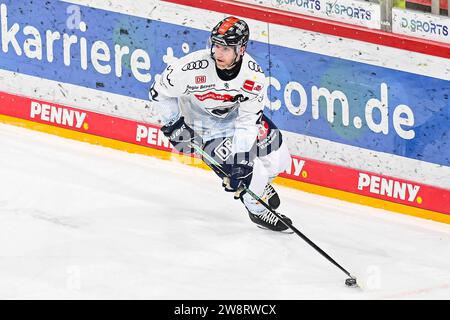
212	107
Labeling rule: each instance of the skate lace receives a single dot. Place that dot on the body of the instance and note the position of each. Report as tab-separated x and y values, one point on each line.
268	192
269	217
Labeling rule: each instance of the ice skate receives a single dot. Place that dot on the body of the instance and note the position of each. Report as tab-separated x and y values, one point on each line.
268	220
270	196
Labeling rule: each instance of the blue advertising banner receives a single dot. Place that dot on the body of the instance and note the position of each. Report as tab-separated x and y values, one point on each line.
353	103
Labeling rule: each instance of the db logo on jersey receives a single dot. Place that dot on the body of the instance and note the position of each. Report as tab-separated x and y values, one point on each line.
200	79
252	86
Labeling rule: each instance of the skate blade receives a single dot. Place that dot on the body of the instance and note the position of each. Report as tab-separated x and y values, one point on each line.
287	231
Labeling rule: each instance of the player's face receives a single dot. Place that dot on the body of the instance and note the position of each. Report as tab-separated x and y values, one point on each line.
225	56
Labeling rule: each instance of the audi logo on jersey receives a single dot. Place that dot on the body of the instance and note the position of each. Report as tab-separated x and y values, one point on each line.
255	67
196	65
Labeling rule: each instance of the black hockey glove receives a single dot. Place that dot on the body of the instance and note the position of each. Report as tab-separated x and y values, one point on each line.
240	177
181	136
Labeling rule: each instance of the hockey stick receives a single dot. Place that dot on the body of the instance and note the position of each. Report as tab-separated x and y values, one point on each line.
351	282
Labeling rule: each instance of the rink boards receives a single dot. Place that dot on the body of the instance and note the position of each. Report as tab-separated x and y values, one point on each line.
306	174
364	122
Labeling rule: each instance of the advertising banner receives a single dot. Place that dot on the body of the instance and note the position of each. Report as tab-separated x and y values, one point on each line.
301	169
422	25
340	100
361	13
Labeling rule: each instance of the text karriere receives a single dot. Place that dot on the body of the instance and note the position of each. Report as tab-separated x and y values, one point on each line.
104	60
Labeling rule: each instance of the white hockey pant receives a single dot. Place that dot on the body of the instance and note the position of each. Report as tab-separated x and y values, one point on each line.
265	169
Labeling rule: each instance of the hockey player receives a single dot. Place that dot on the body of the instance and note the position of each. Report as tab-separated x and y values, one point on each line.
214	98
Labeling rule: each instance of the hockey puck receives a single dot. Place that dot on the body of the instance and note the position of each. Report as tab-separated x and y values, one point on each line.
351	282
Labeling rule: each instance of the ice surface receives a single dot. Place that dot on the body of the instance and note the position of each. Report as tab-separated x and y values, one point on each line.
79	221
